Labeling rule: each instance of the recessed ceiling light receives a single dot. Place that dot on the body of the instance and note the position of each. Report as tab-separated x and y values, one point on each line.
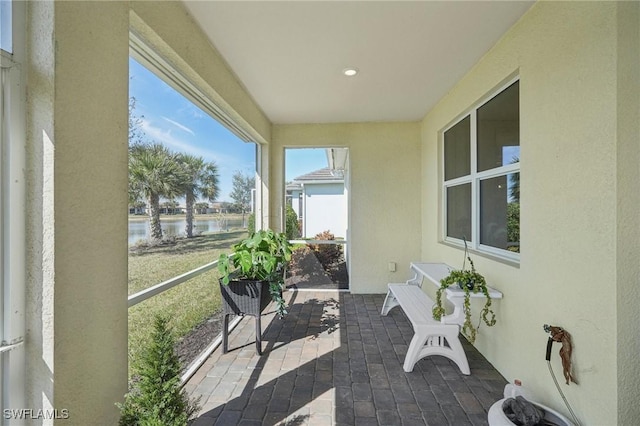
350	72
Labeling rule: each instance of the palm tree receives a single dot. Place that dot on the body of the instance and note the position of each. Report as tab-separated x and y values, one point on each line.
200	179
154	173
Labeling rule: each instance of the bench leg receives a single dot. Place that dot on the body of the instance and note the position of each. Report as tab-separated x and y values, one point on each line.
390	302
429	342
457	355
413	353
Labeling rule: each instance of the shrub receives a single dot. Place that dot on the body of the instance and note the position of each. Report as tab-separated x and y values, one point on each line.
157	398
292	227
327	254
251	223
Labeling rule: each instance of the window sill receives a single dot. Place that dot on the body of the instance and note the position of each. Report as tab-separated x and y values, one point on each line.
491	256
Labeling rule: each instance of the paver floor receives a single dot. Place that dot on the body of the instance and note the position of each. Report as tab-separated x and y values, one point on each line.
334	360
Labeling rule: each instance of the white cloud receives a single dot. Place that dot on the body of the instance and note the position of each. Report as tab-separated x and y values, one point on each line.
178	125
166	137
192	110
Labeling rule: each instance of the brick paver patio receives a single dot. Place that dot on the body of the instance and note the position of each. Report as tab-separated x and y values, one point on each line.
334	360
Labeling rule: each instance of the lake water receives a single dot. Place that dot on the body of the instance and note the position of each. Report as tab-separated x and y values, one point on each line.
139	228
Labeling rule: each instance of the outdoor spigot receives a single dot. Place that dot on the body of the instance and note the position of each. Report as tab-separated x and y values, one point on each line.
558	334
549	344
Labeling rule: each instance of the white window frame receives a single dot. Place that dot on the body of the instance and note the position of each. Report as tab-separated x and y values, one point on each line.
144	53
474	178
12	216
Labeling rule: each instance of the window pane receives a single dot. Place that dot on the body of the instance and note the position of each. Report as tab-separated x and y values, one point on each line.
500	212
499	130
5	26
459	211
457	150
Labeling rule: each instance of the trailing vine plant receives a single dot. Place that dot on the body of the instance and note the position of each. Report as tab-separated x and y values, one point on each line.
469	280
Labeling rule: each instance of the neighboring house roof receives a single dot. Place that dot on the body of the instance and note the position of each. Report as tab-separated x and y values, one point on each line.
325	174
294	186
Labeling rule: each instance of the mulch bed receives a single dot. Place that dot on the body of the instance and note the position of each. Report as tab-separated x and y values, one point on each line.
192	345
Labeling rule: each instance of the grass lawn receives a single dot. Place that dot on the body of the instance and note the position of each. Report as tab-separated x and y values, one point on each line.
188	304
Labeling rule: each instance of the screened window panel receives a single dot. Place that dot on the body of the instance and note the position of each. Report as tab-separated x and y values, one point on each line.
457	150
459	211
500	212
498	130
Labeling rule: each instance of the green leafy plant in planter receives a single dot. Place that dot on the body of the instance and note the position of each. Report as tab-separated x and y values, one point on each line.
263	256
469	280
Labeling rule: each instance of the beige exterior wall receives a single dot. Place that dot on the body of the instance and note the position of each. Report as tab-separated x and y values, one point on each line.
628	216
77	83
384	200
576	164
77	183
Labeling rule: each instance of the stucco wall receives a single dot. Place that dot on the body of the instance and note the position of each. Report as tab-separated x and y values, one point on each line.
565	54
77	185
325	209
384	200
39	238
628	216
77	87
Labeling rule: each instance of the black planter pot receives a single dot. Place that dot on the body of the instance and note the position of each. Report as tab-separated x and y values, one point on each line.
244	297
470	284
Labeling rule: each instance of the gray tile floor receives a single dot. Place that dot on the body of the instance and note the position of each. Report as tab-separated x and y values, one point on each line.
334	360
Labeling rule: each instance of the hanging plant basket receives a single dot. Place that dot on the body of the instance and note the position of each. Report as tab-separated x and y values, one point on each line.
470	281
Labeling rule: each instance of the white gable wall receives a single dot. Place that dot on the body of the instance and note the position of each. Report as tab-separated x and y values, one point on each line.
325	209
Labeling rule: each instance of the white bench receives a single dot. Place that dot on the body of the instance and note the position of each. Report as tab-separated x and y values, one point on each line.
431	337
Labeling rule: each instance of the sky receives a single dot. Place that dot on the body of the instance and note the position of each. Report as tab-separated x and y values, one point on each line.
300	161
169	118
5	26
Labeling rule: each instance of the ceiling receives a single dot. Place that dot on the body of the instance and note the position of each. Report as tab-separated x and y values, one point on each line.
290	55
